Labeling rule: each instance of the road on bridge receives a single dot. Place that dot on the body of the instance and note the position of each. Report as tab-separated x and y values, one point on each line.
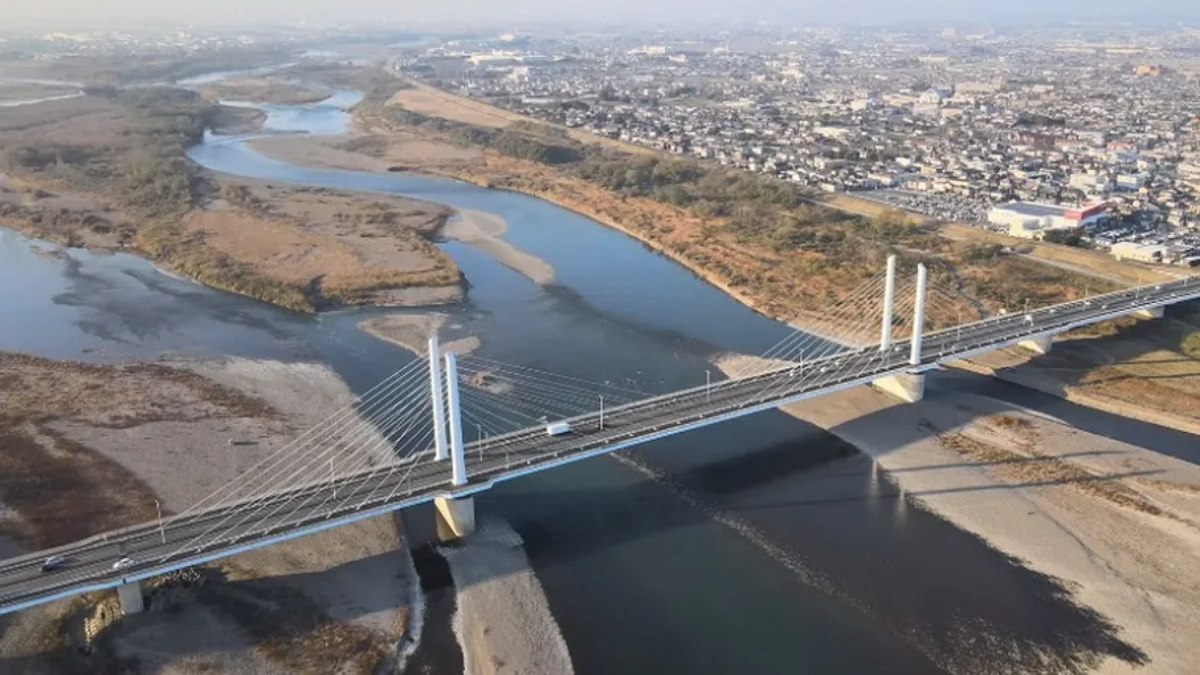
186	540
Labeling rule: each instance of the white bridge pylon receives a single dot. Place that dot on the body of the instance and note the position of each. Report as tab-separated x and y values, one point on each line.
447	412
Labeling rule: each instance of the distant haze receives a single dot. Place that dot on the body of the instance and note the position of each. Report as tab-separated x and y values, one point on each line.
133	14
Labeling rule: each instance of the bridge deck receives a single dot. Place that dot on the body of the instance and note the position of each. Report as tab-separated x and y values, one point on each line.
191	539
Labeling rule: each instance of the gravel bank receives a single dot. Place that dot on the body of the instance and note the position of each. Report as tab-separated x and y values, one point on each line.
503	623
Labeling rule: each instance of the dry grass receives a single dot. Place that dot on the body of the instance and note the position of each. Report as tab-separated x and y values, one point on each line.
1142	363
62	491
427	100
331	248
1097	262
36	389
303	250
1042	470
294	631
264	90
1011	422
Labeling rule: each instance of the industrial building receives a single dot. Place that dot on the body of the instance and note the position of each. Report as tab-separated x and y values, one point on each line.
1031	221
1146	253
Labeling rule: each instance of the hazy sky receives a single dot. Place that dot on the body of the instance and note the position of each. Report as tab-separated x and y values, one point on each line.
132	13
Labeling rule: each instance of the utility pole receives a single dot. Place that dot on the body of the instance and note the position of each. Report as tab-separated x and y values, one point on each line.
707	386
601	413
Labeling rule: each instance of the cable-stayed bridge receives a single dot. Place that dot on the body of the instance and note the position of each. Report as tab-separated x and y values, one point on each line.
444	428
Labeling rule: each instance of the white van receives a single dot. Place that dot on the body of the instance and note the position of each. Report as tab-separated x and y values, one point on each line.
558	429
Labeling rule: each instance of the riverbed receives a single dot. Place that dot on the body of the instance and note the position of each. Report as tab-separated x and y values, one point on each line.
660	561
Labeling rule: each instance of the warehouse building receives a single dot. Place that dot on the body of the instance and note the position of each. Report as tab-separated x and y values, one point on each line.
1031	221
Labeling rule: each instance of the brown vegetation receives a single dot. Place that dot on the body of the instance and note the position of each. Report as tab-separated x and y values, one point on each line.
319	248
294	631
109	170
49	480
263	90
1035	469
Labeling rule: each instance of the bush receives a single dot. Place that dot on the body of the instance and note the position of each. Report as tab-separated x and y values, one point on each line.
520	146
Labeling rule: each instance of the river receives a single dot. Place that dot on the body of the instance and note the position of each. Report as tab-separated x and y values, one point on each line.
670	566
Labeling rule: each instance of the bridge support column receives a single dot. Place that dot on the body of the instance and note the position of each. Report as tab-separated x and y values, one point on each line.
130	595
908	387
455	517
1152	313
889	305
1038	345
458	460
439	404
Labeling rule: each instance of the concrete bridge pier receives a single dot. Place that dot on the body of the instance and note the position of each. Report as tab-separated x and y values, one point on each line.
130	595
1151	313
455	517
1038	345
908	387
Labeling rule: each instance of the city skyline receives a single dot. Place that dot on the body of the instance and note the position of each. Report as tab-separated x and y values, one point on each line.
133	14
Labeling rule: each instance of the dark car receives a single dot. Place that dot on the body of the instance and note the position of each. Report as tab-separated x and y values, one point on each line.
54	562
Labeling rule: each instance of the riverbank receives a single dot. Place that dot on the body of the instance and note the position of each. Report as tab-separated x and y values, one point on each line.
785	282
1144	369
110	442
445	161
1114	521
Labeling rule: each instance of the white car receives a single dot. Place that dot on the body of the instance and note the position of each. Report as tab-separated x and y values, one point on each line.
123	563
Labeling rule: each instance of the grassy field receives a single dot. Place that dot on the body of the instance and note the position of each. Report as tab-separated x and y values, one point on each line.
424	99
1097	263
263	90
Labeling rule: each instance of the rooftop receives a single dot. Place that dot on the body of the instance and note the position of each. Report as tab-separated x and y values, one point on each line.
1034	210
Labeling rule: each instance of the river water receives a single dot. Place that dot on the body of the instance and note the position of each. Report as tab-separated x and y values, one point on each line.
672	565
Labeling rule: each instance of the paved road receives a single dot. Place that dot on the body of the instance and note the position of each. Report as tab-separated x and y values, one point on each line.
191	539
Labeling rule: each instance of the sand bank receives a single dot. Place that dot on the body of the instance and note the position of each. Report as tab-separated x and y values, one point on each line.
484	231
503	623
412	332
1116	522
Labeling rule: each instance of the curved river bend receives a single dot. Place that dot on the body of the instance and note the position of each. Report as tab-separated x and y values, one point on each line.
645	573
